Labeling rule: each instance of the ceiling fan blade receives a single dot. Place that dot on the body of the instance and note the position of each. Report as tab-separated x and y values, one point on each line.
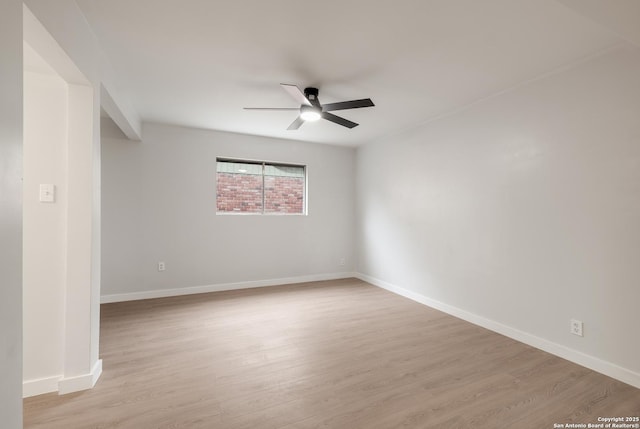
295	92
271	108
296	124
353	104
338	120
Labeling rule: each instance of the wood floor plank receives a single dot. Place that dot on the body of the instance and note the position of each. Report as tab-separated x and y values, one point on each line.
336	354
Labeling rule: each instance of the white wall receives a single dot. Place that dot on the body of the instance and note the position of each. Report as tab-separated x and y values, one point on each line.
11	214
57	236
159	204
45	230
82	366
61	240
520	212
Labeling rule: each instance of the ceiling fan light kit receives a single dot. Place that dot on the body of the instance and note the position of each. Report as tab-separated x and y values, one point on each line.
310	113
311	110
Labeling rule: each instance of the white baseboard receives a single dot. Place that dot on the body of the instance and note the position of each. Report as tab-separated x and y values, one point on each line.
607	368
62	385
162	293
80	382
40	386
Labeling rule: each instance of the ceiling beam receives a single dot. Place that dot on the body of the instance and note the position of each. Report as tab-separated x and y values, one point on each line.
120	115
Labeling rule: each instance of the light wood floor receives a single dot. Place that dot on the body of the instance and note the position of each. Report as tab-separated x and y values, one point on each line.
339	354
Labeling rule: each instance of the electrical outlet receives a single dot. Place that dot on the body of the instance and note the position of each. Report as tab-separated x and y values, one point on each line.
576	327
161	266
342	262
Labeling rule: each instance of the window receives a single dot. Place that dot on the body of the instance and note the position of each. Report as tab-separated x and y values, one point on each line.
247	187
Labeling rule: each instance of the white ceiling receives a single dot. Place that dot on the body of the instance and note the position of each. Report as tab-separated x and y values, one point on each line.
198	62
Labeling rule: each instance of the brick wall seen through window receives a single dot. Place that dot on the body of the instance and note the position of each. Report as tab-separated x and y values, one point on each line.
260	188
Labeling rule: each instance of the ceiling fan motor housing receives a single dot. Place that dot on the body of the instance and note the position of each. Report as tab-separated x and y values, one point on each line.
312	95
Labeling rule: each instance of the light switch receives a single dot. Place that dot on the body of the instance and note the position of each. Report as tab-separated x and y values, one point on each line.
47	193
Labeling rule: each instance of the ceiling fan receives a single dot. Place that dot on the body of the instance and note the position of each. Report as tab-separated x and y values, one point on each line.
311	110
